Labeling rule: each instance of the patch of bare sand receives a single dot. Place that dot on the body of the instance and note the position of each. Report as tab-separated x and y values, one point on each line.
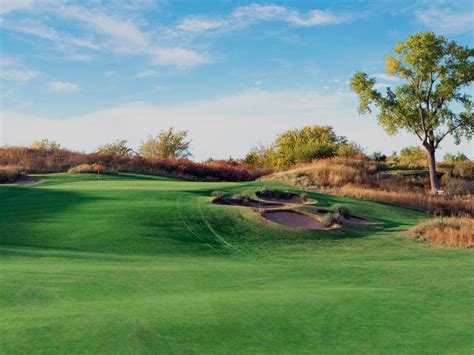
293	219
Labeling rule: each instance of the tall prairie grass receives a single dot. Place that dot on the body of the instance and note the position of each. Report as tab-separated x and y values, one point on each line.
32	160
448	231
360	179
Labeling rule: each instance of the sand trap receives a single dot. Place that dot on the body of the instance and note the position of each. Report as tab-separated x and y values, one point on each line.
293	219
246	203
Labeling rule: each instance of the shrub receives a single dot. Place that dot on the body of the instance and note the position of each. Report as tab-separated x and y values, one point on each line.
457	186
341	210
276	194
464	169
10	174
60	160
450	231
83	168
332	218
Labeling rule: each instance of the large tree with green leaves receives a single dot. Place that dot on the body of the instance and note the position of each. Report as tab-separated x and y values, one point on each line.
430	102
168	144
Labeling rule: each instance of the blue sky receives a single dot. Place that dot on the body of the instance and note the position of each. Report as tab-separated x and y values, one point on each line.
233	73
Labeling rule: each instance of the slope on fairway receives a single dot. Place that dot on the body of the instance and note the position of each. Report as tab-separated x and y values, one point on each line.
145	264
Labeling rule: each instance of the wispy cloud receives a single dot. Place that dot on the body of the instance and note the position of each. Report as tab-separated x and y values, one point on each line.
446	20
245	16
14	5
386	77
144	74
104	32
13	69
63	87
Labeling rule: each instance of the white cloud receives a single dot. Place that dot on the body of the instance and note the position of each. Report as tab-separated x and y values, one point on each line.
109	73
218	127
197	24
104	32
178	56
12	69
386	77
18	74
13	5
246	15
144	74
63	87
447	21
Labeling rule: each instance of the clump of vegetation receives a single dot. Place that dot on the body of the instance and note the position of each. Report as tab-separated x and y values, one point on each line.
43	160
449	231
341	210
221	197
302	145
332	218
117	148
10	174
275	194
169	144
84	168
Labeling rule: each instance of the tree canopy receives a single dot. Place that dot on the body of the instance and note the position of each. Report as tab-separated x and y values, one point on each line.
167	144
434	73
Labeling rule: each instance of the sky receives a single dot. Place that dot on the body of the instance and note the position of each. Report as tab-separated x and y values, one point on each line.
233	74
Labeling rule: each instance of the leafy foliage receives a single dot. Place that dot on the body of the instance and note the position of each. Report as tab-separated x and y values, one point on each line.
118	148
45	144
433	73
166	144
302	145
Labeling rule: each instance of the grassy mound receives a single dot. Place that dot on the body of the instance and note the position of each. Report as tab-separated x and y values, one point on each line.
143	264
450	232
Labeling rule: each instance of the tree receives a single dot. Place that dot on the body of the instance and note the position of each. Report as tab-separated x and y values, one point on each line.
302	145
45	144
118	148
433	72
455	157
412	157
166	144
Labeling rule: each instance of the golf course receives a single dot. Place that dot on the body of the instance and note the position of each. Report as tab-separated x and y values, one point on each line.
146	264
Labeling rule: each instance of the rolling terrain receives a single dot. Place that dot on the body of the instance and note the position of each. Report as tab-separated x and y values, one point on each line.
142	264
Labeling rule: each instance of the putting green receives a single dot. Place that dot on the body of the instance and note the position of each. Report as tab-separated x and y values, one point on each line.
140	264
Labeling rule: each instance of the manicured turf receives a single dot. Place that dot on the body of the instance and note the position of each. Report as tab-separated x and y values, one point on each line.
136	264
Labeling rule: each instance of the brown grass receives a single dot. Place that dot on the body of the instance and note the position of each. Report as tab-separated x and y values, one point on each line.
359	179
449	231
40	161
9	174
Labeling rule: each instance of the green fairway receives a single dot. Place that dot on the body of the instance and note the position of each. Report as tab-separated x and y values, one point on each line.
140	264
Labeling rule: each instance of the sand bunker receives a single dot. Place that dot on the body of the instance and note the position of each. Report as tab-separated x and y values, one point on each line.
293	219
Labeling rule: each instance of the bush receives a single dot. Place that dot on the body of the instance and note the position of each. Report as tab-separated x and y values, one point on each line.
457	186
341	210
60	160
10	174
332	218
83	168
275	194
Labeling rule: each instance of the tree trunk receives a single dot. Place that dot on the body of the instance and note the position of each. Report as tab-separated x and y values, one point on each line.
434	181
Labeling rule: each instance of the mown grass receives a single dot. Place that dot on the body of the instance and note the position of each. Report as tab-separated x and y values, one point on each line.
137	264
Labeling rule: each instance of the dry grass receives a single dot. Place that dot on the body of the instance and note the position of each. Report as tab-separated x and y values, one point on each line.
60	160
438	205
358	179
450	232
9	174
